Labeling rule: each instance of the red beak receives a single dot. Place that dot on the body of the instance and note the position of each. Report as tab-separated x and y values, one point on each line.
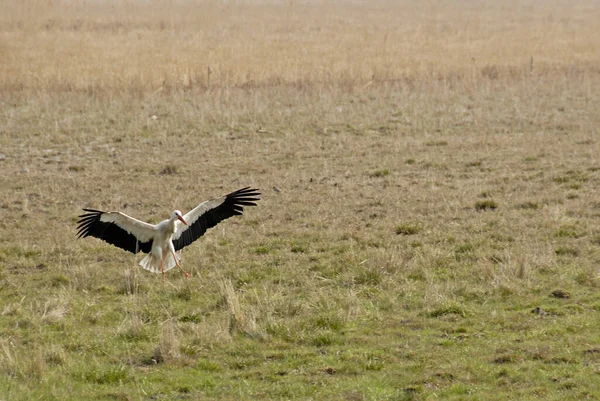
182	220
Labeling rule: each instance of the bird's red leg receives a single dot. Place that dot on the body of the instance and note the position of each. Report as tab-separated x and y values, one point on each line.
178	265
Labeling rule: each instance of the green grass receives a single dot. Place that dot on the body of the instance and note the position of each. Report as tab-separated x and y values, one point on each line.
487	204
380	173
408	228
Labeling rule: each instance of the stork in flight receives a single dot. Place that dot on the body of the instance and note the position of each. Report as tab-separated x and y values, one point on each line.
161	241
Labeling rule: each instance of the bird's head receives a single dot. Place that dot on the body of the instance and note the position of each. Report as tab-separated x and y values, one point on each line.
177	215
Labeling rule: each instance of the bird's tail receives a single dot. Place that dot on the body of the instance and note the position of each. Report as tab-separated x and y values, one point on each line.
151	262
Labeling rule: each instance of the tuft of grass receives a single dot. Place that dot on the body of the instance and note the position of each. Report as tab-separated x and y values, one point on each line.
329	321
567	232
380	173
368	276
105	375
566	251
55	356
240	322
562	294
487	204
60	280
507	358
324	339
465	252
575	178
529	205
436	143
207	365
262	250
561	179
299	249
168	170
185	293
408	228
168	348
451	309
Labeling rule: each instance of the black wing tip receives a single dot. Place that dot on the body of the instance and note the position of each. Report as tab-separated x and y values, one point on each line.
242	197
86	221
246	190
245	196
90	213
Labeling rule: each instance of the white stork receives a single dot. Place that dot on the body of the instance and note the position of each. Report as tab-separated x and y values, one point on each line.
162	240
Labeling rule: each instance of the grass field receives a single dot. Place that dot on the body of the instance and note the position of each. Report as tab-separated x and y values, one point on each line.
429	222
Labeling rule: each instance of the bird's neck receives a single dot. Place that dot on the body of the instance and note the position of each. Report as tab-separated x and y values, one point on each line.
172	223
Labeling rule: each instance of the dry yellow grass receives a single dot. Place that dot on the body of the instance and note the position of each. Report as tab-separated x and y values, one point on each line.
425	185
126	46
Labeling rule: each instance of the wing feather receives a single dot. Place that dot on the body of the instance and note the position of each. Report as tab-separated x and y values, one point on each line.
209	213
117	229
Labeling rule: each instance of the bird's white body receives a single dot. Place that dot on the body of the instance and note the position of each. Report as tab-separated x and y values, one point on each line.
162	248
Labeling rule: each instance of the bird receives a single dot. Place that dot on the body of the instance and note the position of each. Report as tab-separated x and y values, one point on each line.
162	241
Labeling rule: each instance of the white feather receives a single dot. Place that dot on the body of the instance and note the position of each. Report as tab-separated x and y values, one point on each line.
151	262
143	231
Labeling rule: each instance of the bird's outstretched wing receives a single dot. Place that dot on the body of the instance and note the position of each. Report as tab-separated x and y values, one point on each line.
117	229
208	214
